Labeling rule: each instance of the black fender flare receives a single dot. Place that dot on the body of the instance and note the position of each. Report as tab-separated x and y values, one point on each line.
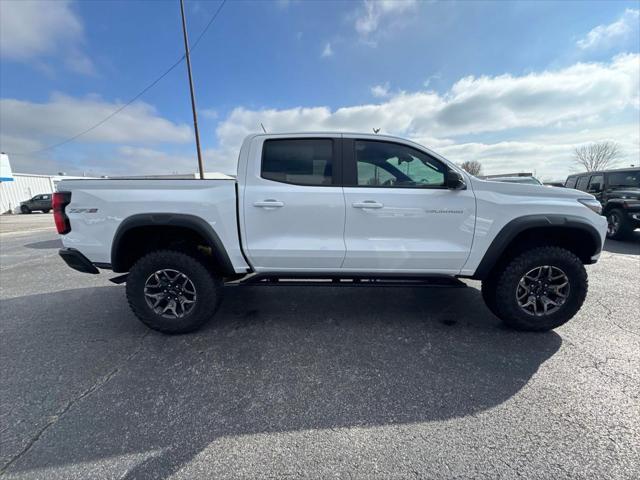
521	224
192	222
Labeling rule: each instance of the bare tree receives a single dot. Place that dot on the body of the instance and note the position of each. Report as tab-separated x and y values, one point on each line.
473	167
596	156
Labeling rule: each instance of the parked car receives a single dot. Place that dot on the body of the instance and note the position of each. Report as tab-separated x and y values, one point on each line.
525	180
40	202
344	208
619	193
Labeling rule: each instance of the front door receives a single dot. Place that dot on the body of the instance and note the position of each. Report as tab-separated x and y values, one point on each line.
294	205
400	217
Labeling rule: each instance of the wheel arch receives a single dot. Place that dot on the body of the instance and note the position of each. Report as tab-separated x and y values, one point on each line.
159	230
530	231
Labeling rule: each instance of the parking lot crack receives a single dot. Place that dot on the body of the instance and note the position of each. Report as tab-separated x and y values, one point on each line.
609	315
72	402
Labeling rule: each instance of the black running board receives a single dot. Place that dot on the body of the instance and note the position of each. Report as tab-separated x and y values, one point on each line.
310	280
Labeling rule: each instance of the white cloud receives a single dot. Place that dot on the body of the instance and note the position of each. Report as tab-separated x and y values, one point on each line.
549	156
373	12
327	51
527	122
380	91
64	116
32	30
604	36
581	96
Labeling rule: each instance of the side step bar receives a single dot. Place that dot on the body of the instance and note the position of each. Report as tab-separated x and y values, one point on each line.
308	280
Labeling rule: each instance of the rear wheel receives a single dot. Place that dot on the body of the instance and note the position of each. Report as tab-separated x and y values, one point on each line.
172	292
46	210
618	225
541	289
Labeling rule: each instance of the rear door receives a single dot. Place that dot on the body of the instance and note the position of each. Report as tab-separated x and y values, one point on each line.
400	217
596	186
293	204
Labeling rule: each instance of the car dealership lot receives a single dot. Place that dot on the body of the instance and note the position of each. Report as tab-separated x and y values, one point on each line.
291	382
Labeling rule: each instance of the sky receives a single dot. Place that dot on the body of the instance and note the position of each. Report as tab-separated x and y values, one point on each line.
514	85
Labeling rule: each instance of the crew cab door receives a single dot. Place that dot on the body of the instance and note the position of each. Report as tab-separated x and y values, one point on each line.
400	216
293	204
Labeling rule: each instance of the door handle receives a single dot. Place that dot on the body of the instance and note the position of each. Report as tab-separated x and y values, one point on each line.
269	204
367	204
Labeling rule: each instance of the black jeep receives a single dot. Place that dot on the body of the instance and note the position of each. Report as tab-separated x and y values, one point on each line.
39	202
619	193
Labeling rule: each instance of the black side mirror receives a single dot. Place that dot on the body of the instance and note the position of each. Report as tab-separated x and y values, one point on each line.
454	181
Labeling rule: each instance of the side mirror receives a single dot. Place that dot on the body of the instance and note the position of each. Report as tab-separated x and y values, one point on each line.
454	181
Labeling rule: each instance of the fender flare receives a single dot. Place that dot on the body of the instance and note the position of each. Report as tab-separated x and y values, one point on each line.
192	222
527	222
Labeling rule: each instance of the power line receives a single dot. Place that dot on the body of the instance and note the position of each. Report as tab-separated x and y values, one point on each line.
136	97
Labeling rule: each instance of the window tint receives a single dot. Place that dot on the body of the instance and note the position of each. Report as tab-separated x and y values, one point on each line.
305	161
45	197
624	179
571	182
582	183
383	164
599	179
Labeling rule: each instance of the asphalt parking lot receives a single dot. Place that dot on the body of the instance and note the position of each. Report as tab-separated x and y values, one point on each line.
299	382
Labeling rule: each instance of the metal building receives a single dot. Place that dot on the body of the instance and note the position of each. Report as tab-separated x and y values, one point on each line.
23	187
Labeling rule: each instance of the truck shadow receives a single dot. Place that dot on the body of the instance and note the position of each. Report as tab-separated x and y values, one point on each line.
275	359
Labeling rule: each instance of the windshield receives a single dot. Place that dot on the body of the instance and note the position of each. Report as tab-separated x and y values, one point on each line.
624	180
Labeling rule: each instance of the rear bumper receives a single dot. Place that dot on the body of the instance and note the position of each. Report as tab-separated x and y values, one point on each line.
77	260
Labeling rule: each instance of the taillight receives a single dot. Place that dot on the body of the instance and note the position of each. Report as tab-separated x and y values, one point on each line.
58	203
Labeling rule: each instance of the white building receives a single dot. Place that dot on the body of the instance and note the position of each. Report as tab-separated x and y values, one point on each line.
18	187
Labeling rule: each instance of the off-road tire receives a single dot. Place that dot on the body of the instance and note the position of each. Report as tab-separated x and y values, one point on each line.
625	228
24	209
510	312
208	287
46	210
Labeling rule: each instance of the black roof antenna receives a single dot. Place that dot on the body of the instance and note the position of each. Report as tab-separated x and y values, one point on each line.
263	129
376	130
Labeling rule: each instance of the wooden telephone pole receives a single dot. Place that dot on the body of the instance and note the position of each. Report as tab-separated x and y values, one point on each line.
193	97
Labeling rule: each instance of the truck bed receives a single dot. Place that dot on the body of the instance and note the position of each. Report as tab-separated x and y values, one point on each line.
98	207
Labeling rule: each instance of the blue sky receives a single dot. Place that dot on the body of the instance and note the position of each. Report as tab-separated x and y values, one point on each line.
515	85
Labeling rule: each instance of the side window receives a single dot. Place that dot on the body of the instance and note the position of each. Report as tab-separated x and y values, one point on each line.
582	183
46	197
385	164
304	161
37	197
571	182
595	184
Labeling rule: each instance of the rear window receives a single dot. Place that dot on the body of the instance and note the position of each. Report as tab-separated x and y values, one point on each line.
582	183
571	182
304	161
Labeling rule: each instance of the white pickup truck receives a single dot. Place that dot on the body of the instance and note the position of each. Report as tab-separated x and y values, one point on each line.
333	209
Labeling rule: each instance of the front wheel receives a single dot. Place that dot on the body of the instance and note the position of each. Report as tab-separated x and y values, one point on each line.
172	292
541	289
25	209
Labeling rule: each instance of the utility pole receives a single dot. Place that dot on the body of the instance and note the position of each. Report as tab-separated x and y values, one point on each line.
193	98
